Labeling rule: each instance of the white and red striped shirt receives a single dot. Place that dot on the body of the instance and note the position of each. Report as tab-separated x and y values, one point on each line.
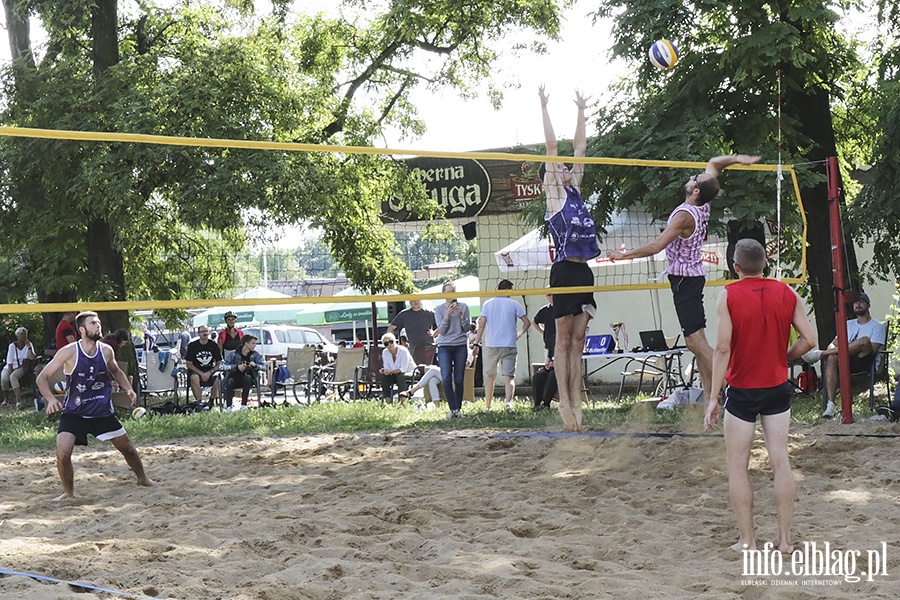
684	253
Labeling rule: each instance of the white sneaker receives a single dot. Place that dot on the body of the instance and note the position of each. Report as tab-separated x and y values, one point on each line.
812	356
829	410
509	406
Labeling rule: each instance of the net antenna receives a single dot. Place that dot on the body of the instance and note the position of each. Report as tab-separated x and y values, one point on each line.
779	176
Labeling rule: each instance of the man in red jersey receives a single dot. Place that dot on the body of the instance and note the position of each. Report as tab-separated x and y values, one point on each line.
755	319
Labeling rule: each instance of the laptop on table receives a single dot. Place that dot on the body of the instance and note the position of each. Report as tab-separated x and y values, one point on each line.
653	341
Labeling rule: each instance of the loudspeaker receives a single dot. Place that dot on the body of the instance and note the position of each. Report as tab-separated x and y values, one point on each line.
738	231
393	309
469	230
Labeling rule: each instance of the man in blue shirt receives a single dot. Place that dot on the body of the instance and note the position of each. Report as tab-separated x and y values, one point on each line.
866	338
497	325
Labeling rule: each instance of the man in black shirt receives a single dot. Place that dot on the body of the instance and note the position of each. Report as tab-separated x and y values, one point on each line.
419	325
203	358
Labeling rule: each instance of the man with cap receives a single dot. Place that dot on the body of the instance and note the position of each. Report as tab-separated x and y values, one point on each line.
866	338
229	338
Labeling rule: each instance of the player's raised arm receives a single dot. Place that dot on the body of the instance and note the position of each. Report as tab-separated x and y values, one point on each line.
717	164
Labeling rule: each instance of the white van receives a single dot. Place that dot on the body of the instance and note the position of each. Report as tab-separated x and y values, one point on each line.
274	340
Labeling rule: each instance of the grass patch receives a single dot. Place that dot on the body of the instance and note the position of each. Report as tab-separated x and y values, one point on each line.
27	430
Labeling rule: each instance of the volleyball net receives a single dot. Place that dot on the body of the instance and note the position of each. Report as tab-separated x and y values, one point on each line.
492	205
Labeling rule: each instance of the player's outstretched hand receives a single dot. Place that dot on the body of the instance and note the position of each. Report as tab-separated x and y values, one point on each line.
544	97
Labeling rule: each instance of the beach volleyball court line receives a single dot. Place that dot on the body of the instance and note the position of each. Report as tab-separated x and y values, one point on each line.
75	584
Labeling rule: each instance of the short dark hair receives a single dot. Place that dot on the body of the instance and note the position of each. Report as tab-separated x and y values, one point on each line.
750	256
709	189
248	337
505	284
121	335
84	316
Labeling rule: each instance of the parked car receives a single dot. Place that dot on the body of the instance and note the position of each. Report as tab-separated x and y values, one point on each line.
276	339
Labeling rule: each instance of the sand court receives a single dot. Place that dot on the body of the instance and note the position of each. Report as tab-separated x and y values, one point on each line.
434	515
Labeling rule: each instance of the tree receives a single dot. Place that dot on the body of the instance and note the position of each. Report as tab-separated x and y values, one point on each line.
102	221
722	98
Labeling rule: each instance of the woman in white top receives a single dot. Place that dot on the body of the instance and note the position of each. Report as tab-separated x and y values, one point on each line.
19	351
396	365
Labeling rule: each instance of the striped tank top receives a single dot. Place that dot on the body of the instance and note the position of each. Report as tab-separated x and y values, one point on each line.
684	253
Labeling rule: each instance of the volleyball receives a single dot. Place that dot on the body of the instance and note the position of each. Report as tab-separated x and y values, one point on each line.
664	54
59	387
138	412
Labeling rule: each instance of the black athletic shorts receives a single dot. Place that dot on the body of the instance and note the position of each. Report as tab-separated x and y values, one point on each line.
747	403
568	273
688	294
861	365
102	428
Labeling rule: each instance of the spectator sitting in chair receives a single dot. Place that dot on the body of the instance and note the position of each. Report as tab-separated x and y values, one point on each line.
866	338
396	363
203	359
243	367
19	362
544	387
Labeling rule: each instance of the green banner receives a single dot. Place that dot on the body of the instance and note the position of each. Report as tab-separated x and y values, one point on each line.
344	315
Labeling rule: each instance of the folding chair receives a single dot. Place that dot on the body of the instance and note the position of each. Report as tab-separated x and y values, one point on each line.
160	382
300	364
343	373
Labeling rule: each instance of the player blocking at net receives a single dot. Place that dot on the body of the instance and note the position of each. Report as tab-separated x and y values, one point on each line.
683	240
575	237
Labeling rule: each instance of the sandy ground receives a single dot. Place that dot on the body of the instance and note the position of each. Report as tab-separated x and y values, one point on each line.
441	516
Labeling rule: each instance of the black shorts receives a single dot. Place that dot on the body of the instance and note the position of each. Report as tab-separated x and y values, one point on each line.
862	364
747	403
688	294
102	428
208	383
568	273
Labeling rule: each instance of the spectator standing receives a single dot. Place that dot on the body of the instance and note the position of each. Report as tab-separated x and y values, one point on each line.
452	320
65	330
418	323
229	338
498	327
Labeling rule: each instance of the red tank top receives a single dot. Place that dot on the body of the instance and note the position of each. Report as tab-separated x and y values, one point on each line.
761	314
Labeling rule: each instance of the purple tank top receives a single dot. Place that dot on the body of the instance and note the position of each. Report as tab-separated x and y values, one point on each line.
88	387
573	230
684	255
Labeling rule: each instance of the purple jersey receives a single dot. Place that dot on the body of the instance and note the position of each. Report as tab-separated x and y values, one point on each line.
573	230
88	387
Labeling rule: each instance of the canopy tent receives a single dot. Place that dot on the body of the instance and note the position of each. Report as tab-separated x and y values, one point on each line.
250	313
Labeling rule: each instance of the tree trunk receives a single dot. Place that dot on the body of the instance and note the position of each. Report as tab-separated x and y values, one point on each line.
104	258
812	109
18	31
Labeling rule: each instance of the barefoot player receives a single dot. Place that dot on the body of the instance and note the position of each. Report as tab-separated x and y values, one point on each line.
575	238
89	366
755	319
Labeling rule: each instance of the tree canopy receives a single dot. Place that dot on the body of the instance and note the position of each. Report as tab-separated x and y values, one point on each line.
722	98
101	221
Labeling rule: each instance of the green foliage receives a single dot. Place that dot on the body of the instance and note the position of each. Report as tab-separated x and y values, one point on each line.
224	70
722	98
26	430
